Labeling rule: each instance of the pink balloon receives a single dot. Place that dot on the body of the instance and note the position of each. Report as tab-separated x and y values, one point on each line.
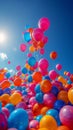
37	34
29	54
44	23
45	39
5	111
33	124
32	101
43	64
18	67
42	51
49	99
23	47
53	74
58	66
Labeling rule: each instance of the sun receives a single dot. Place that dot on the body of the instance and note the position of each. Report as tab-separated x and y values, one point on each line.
3	37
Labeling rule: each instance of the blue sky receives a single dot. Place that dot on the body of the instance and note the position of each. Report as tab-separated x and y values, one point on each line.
16	14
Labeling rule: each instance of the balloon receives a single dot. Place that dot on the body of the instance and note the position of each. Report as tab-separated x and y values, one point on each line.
70	95
21	105
5	99
42	51
12	129
54	113
71	77
23	47
17	121
62	80
43	64
7	75
53	74
45	86
27	37
7	90
55	90
44	110
36	109
32	49
17	81
31	61
39	117
24	70
37	76
37	34
66	116
53	55
33	124
59	104
63	127
10	107
30	79
48	122
39	97
37	88
43	129
49	99
3	121
44	23
15	98
18	67
5	84
63	95
58	66
5	111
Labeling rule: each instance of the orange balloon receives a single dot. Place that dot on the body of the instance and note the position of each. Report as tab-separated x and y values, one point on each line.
63	128
37	77
1	76
45	86
5	99
41	44
17	81
48	122
5	84
32	49
53	55
44	110
27	66
36	109
15	98
70	95
43	129
63	95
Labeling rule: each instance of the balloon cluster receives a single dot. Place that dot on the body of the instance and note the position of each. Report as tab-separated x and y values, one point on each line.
36	98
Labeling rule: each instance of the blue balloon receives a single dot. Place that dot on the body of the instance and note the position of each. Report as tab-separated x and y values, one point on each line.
24	70
46	77
39	97
18	119
7	75
7	90
37	88
39	117
31	61
54	90
24	92
1	92
30	79
59	104
10	107
55	114
27	37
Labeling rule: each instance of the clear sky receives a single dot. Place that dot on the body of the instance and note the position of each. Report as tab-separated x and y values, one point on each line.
16	14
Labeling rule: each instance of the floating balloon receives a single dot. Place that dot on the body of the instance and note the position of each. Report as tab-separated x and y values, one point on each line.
37	76
15	98
23	47
37	34
53	74
44	23
58	66
32	61
53	55
45	86
70	95
3	122
17	81
43	64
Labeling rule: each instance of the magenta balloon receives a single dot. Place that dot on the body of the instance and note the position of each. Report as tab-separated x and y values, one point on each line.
32	101
45	39
44	23
66	116
49	99
42	51
5	111
58	66
23	47
43	64
53	74
18	67
21	105
37	34
29	54
3	120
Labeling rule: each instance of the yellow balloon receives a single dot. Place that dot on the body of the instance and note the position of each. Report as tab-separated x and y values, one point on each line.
48	122
15	98
70	95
